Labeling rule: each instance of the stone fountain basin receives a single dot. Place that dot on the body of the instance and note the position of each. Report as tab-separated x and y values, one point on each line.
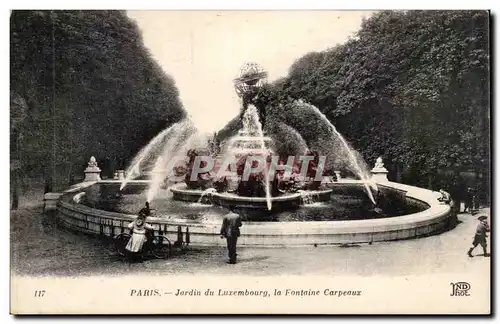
433	220
226	199
286	201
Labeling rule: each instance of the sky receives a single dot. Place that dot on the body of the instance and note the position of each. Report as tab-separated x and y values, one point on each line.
204	50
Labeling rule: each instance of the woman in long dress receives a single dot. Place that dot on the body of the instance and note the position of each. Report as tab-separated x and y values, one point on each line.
138	238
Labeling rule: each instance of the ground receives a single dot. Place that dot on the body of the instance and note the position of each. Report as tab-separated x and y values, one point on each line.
39	248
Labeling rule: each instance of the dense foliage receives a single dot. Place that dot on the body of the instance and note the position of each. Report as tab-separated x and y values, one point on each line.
91	88
412	87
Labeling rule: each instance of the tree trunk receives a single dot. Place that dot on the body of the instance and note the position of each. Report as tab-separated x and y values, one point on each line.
399	172
15	191
70	173
48	184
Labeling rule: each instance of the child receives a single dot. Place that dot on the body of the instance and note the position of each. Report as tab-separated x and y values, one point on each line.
138	227
480	236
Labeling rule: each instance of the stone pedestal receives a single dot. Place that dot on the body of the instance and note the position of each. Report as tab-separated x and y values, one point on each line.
121	174
50	200
379	172
380	175
92	172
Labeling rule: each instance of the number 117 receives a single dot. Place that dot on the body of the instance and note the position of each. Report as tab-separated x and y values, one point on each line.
39	293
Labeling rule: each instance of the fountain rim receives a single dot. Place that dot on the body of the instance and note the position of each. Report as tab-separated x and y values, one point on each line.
249	138
421	216
431	221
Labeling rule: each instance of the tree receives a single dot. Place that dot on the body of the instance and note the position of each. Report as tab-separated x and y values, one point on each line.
18	110
411	86
91	88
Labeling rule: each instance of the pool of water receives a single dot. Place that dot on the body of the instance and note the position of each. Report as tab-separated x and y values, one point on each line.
349	204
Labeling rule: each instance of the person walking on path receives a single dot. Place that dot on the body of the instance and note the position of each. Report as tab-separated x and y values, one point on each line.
230	230
480	236
469	200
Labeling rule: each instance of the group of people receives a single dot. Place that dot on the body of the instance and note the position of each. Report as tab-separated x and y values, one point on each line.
141	233
468	197
482	228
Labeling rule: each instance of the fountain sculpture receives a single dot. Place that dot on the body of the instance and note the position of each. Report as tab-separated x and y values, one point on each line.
255	177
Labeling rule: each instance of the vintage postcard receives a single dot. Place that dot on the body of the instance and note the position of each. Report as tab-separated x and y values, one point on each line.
250	162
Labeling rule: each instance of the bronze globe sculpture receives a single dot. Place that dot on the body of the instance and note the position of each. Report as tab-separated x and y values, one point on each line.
249	83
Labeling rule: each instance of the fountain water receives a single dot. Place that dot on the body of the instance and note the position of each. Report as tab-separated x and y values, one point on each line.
253	127
354	163
306	197
146	153
206	192
183	137
298	140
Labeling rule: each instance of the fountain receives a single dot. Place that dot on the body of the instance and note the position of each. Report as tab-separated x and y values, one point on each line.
257	182
285	199
179	159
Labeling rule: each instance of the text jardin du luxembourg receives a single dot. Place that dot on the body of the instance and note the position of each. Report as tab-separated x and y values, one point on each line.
267	293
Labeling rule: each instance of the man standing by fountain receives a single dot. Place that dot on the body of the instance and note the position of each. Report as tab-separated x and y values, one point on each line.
230	230
146	210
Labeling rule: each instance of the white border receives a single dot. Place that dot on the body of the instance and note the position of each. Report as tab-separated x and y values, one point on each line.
255	4
199	4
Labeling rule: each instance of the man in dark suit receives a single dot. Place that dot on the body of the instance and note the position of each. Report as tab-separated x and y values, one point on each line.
230	229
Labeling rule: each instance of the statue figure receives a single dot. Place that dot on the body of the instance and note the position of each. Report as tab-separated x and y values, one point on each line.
379	172
379	164
92	163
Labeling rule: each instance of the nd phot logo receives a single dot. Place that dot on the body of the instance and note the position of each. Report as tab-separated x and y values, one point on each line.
460	288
